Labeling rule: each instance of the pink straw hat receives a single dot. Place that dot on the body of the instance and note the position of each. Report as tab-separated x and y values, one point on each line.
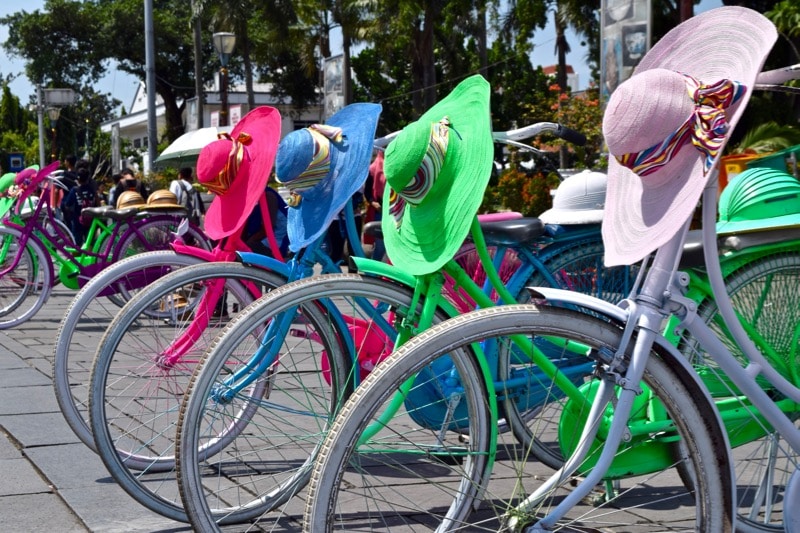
667	125
236	168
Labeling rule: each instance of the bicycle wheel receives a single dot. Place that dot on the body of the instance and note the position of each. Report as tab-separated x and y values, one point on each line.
578	266
143	364
87	319
766	296
469	260
25	282
388	481
258	473
156	233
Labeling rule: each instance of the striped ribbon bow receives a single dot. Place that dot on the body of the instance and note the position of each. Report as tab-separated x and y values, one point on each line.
320	164
422	181
222	181
705	128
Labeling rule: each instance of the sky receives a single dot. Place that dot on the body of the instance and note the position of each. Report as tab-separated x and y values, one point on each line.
123	86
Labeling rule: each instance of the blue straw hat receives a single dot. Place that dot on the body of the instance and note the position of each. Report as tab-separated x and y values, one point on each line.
323	166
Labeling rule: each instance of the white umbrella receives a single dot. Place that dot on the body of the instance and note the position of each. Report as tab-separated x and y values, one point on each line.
184	150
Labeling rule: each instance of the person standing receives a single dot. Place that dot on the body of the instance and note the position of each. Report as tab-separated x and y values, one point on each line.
112	191
128	182
78	198
187	195
67	180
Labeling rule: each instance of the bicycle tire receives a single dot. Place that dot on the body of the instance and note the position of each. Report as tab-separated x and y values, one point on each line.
345	494
764	293
211	494
26	287
87	318
131	370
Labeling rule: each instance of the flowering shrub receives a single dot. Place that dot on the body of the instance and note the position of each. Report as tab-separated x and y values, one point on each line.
525	192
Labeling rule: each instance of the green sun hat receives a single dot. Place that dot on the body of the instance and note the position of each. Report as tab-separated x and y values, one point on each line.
758	199
437	169
6	181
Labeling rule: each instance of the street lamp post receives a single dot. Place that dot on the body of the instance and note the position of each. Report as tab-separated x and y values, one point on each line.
53	113
86	155
224	43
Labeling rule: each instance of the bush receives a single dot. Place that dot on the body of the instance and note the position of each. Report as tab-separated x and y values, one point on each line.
525	192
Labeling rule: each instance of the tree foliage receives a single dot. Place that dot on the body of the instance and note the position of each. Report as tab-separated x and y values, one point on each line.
405	54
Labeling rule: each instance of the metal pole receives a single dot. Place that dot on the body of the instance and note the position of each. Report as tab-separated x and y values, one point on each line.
150	81
198	63
223	95
40	121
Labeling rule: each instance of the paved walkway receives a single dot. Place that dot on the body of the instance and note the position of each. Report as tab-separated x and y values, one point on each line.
50	481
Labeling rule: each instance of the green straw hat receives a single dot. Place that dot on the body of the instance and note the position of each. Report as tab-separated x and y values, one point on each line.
757	199
437	169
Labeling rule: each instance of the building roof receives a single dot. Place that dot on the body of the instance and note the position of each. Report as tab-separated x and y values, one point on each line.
550	70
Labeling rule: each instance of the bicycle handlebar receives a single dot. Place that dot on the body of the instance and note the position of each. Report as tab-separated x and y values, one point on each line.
533	130
779	75
513	137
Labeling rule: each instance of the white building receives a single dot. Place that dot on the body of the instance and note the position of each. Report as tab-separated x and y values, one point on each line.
132	127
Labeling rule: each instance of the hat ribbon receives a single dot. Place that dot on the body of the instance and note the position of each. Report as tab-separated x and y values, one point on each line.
320	164
222	182
705	128
422	181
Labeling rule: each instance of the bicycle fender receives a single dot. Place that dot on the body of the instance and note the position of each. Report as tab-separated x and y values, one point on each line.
263	262
48	267
612	311
371	267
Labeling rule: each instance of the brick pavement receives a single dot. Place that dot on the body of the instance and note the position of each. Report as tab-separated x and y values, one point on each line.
50	481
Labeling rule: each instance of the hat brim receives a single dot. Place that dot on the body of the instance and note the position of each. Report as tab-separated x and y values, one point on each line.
228	213
567	217
163	207
748	226
724	43
350	161
430	234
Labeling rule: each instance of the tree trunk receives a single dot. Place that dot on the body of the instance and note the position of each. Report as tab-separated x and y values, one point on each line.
198	66
686	10
481	38
561	75
248	66
173	113
432	11
417	72
347	83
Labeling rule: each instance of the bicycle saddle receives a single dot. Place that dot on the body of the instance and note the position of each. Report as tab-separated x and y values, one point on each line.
503	232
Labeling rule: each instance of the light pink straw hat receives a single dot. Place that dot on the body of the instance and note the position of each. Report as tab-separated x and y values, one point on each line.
667	125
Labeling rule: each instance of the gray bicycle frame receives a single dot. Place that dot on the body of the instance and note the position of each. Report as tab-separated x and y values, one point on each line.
660	296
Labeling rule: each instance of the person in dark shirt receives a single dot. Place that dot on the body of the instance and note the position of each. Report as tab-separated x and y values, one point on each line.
81	196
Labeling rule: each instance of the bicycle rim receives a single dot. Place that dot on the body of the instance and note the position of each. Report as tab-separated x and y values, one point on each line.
87	319
142	368
258	475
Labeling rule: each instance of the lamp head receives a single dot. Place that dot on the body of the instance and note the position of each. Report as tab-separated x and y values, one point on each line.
224	43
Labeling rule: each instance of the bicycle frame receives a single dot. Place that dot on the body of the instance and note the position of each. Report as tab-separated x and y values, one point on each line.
644	314
298	267
76	265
